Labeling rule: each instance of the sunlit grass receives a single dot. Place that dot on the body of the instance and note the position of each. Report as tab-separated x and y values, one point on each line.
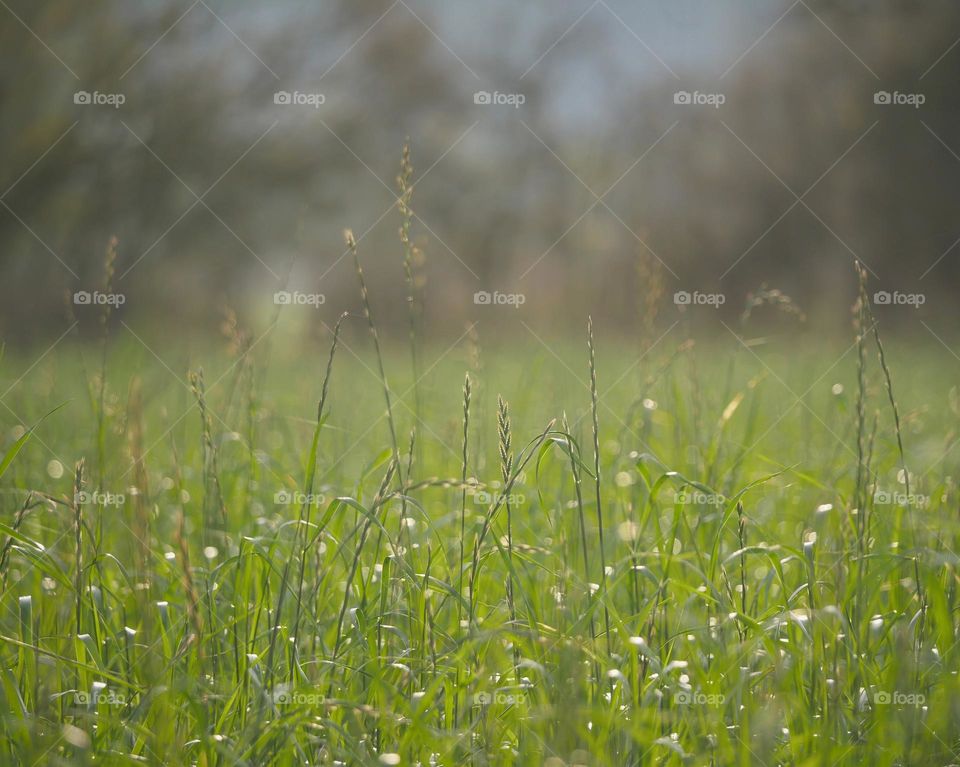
241	576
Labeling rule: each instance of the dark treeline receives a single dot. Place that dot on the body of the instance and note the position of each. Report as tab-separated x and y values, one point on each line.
217	193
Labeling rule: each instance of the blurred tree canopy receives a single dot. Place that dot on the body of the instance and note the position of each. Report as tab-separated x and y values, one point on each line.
219	194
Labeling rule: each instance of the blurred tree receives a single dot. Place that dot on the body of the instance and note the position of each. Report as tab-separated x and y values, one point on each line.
506	188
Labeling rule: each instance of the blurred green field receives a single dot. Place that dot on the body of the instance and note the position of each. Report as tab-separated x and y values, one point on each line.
752	578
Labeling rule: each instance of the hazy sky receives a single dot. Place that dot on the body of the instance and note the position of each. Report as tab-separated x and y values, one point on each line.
581	45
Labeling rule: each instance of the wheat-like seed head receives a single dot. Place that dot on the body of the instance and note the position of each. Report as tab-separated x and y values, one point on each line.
109	267
506	438
467	394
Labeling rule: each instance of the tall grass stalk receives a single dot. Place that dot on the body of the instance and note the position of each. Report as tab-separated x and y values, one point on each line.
898	527
378	501
106	309
597	480
303	525
411	256
860	497
464	463
213	493
77	504
575	461
506	466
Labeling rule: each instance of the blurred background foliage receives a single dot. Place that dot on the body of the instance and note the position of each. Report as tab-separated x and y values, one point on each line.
220	196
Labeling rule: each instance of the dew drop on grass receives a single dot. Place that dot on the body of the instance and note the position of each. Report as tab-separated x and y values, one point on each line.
210	552
55	469
627	531
75	736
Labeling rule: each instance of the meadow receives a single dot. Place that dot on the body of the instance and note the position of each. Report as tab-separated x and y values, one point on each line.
342	546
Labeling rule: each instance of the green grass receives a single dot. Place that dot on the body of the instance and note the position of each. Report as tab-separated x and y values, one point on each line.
450	602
